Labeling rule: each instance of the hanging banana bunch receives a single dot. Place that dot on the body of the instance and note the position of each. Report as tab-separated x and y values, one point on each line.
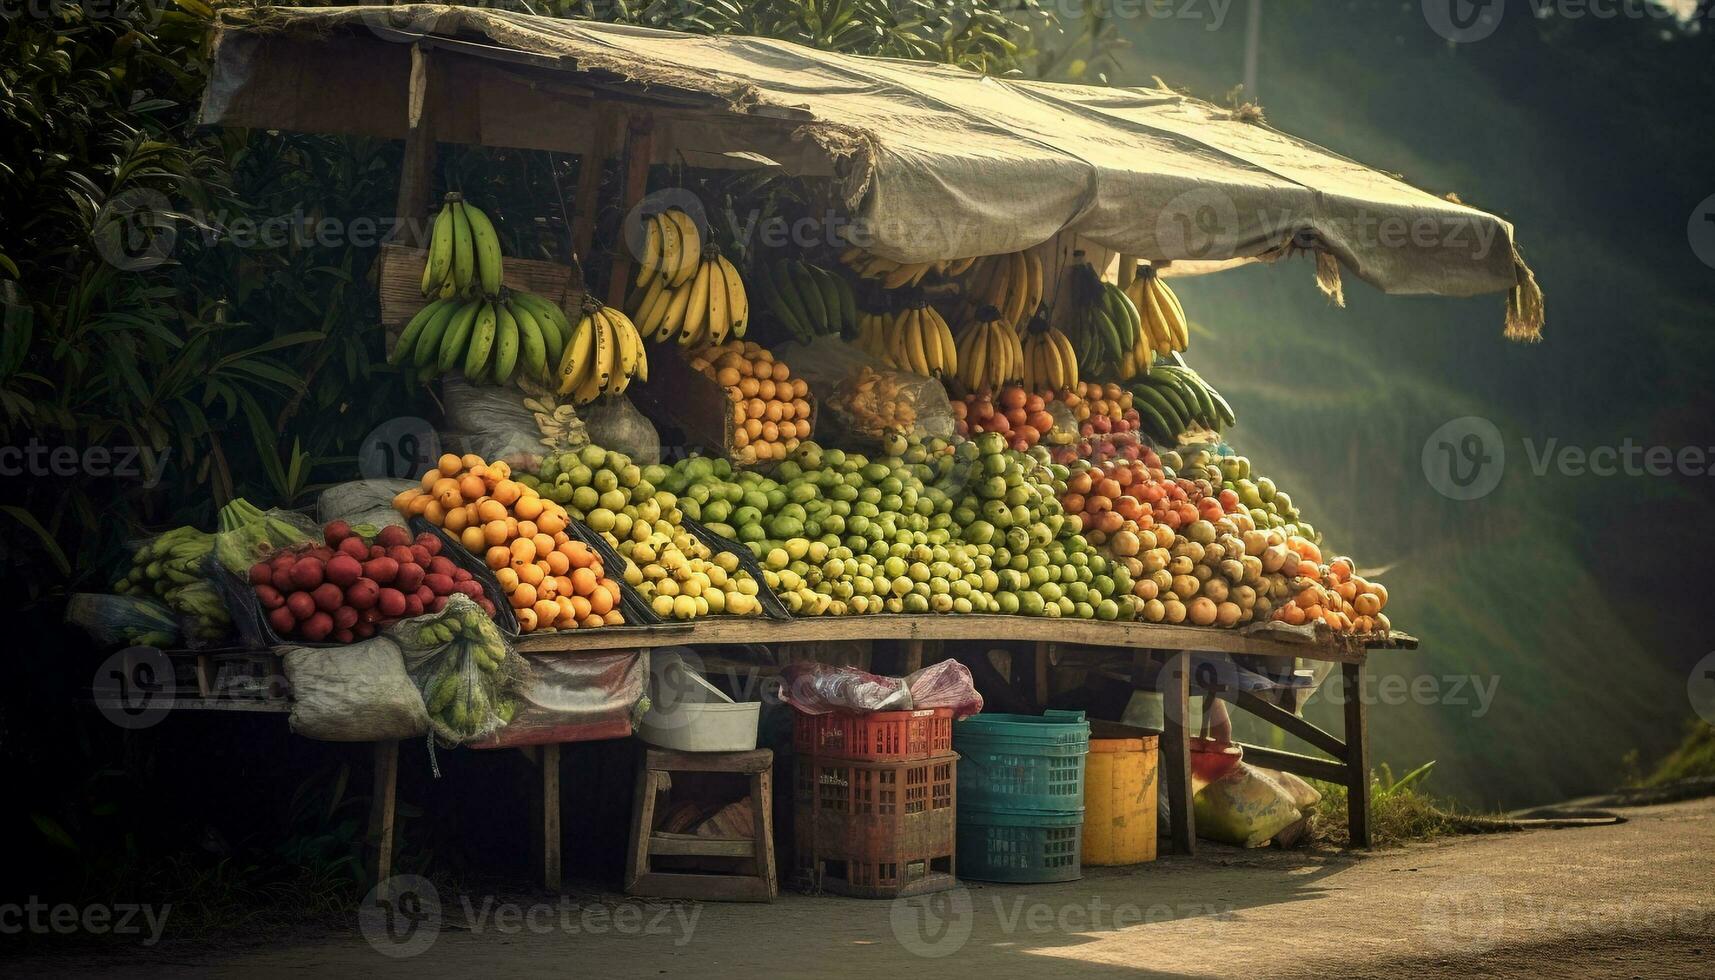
1107	329
1011	283
918	340
895	275
698	307
874	320
1050	364
1163	318
988	352
489	340
808	299
603	353
464	253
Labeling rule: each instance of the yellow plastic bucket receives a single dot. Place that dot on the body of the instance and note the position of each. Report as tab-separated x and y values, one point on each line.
1119	801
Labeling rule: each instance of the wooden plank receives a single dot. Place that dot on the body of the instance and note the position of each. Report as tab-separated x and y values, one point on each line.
382	811
913	661
740	630
417	173
1302	765
706	888
1357	756
399	282
1044	652
1175	686
590	172
551	816
757	760
1291	724
762	804
639	152
642	826
690	844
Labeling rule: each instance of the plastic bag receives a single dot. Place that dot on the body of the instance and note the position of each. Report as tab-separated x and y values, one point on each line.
124	620
516	424
469	676
586	698
615	423
868	399
947	684
357	693
1244	808
362	502
248	535
820	689
174	567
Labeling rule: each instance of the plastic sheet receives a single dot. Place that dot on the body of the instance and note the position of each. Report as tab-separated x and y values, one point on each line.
586	698
819	689
124	620
357	693
362	502
516	424
868	399
615	423
1244	808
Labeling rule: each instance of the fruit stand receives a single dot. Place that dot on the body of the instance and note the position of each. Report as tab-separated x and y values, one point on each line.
1011	399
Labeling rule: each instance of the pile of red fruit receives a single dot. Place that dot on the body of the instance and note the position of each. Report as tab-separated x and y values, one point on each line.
345	589
1117	496
1016	414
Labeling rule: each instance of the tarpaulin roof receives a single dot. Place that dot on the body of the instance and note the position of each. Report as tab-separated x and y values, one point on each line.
935	161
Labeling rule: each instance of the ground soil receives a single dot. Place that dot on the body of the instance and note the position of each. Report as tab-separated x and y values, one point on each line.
1634	900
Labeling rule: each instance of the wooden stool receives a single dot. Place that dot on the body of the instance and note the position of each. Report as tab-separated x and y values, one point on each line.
654	772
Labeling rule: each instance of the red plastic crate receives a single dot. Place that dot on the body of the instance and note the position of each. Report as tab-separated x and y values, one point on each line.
879	736
876	829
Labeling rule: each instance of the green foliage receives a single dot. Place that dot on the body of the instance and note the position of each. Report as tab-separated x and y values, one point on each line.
1693	758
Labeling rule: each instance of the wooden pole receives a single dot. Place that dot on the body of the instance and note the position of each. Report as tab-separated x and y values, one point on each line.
639	149
1175	687
417	174
551	817
381	811
590	171
1357	756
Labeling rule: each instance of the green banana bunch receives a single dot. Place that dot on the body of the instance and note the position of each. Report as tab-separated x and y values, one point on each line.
461	679
463	258
489	340
173	568
247	535
808	299
1173	398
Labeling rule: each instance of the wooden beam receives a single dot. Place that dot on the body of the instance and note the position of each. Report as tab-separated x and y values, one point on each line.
590	171
379	841
661	844
913	657
1175	685
1039	687
639	151
1357	755
551	816
417	172
1302	765
1290	723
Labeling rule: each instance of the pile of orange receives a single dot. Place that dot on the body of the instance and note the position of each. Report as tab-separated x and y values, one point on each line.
1333	593
551	580
770	408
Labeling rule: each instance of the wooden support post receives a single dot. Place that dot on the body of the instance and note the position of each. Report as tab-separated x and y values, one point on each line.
642	824
1357	756
1175	686
913	657
417	174
590	172
551	817
762	800
639	150
381	811
1039	690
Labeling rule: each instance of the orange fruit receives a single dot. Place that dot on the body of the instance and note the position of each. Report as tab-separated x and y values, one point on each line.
524	596
614	618
526	529
545	589
529	573
472	459
457	520
506	492
491	510
547	610
551	522
568	614
601	600
494	533
471	538
497	556
523	551
526	620
563	585
544	544
528	507
507	577
449	498
501	469
449	464
594	622
433	513
580	607
421	503
558	563
583	581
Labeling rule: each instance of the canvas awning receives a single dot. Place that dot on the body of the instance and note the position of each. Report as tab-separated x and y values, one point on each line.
934	161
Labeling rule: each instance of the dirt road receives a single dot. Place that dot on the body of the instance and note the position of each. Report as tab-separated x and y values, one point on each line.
1636	900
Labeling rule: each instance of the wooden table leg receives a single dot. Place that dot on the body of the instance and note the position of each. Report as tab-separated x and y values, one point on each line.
551	817
642	825
1357	756
762	801
913	657
381	810
1175	687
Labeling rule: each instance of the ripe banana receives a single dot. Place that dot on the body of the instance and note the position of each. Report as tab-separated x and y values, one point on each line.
989	352
1011	283
707	306
1163	318
1049	362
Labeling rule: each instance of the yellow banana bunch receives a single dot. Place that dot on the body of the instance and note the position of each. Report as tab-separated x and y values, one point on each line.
463	255
672	249
706	306
872	332
989	352
1011	283
894	275
918	340
1164	326
1050	364
602	355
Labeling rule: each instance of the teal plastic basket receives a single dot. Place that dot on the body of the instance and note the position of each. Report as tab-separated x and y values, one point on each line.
1020	847
1022	762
